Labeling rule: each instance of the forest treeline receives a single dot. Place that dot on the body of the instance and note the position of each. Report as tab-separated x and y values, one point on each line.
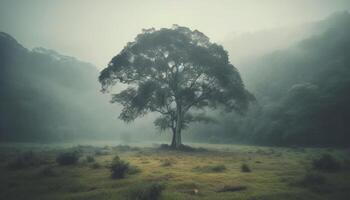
303	93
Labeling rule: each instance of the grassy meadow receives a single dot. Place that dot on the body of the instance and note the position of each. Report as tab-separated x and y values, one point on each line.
208	172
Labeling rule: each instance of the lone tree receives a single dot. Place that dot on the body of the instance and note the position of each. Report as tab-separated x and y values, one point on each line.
176	72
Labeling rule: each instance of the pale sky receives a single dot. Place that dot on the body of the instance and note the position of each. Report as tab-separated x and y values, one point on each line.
96	30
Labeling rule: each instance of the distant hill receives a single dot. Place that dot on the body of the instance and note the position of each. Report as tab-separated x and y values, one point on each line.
244	47
49	96
302	91
305	89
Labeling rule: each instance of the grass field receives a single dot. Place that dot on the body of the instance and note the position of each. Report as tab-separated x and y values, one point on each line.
211	173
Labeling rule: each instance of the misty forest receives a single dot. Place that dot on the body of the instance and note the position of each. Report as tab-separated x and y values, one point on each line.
175	100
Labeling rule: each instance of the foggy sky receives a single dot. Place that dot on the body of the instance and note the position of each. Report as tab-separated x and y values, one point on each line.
95	31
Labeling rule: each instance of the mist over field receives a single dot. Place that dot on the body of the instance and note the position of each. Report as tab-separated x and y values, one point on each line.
175	99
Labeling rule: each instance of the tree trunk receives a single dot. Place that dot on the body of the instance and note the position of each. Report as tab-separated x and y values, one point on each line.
178	126
178	139
173	141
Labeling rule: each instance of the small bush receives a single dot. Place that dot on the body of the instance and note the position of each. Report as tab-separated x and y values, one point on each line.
95	165
245	168
167	163
67	158
25	160
90	159
326	163
150	191
119	168
218	168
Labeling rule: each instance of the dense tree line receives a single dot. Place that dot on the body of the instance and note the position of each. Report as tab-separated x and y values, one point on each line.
303	93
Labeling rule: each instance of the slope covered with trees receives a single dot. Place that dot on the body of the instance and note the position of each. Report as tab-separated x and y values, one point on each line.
48	96
303	92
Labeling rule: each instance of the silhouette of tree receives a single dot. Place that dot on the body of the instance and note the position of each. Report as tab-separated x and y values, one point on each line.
176	72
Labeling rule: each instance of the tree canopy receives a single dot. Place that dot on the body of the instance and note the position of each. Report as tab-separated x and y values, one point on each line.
176	72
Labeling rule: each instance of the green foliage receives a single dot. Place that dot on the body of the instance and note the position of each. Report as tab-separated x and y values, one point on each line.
95	165
119	168
43	105
174	72
303	93
245	168
90	159
218	168
67	158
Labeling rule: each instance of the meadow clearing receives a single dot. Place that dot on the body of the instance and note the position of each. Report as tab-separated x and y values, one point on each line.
206	172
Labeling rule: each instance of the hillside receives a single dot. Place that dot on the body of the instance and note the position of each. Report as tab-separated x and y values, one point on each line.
303	90
302	93
48	96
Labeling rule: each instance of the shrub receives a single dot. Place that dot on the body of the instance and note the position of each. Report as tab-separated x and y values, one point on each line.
245	168
151	191
95	165
67	158
25	160
326	163
90	159
119	168
218	168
